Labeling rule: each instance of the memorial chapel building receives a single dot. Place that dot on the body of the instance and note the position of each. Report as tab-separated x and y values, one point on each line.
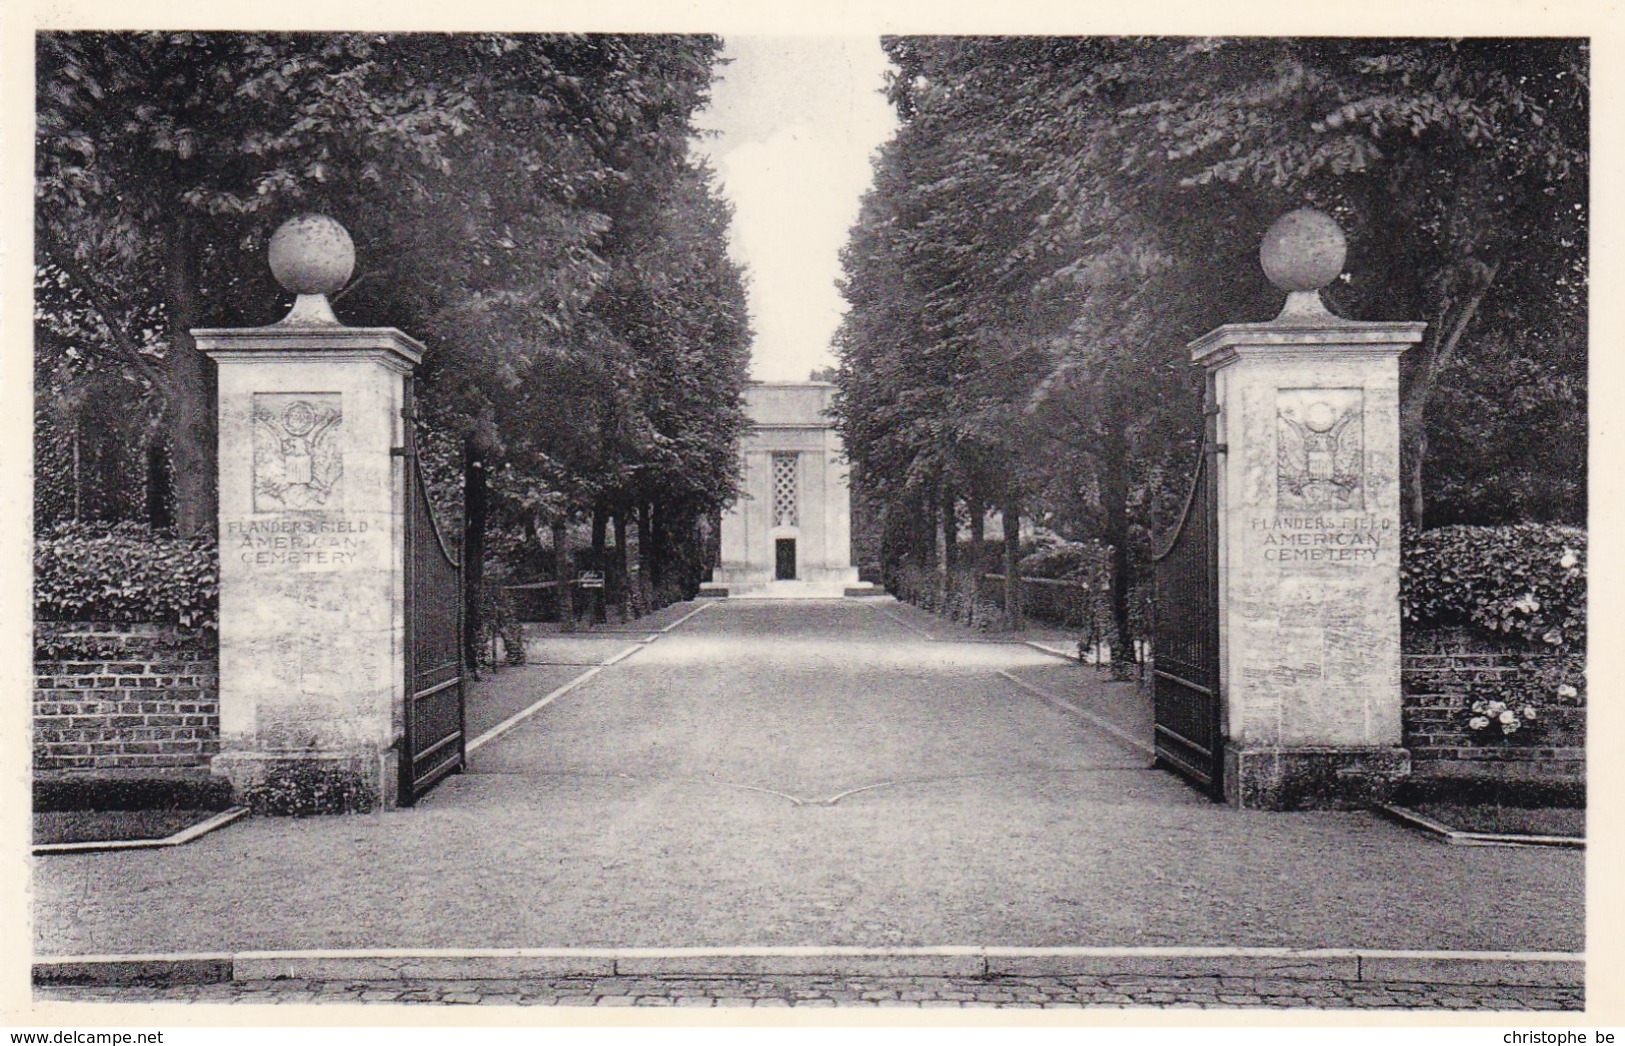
790	532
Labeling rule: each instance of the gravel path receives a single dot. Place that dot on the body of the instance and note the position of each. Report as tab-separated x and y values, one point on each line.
809	774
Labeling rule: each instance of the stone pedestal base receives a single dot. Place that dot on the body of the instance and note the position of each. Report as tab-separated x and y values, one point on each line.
1312	778
314	782
740	577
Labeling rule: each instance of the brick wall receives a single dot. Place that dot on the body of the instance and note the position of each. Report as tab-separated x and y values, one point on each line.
1439	668
124	696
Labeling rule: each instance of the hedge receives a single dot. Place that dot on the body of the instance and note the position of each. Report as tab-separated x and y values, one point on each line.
125	572
1526	581
1067	559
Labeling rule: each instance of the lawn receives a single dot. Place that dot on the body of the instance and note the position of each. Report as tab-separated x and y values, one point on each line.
101	826
1506	820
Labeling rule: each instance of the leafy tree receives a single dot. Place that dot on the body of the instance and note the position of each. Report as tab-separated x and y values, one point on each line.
1457	166
1097	202
508	194
159	154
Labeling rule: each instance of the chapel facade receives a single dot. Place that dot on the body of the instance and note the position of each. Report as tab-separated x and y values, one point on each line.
791	528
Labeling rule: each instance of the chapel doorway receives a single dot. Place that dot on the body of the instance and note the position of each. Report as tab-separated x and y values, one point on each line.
785	559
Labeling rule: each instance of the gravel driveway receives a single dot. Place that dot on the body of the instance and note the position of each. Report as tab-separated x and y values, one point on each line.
809	774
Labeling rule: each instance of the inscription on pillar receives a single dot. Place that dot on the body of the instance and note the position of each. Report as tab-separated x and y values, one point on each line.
1324	539
1320	450
304	544
298	464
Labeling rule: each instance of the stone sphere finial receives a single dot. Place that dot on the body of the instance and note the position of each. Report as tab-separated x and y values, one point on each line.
312	254
1303	251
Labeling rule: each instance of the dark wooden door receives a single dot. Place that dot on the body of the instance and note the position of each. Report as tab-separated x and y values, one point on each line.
785	568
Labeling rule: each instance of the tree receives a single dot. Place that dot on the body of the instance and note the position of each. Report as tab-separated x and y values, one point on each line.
508	195
159	154
1056	218
1458	167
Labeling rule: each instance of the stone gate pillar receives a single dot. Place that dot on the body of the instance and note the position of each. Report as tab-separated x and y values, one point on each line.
1308	525
312	627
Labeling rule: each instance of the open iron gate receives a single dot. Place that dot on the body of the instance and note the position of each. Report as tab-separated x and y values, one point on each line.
435	739
1186	691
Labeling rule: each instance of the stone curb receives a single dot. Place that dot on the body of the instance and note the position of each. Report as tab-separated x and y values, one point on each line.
1544	969
1052	651
180	838
1113	731
525	713
896	618
1455	837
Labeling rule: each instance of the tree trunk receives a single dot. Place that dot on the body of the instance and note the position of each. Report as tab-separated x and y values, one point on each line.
188	388
1113	478
1413	451
621	561
657	544
1434	355
936	555
78	488
600	528
563	593
160	505
600	536
645	550
475	510
1011	510
945	546
976	505
713	546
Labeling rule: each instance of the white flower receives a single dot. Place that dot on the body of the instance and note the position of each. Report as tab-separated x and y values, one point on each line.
1509	728
1480	707
1478	722
1554	637
1495	708
1567	691
1507	716
1529	711
1569	559
1527	603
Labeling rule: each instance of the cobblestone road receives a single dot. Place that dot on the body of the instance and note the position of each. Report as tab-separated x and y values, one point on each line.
908	992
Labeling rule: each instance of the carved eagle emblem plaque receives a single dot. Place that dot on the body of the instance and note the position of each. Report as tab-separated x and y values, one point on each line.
1320	450
298	463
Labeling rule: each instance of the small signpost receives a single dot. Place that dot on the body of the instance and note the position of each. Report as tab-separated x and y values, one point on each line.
593	581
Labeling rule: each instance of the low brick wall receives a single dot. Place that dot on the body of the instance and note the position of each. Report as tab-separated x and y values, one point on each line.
124	696
1439	669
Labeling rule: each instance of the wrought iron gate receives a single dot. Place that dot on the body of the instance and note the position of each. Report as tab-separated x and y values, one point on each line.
435	740
1187	698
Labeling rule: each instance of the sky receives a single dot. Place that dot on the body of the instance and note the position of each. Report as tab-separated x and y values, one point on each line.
796	120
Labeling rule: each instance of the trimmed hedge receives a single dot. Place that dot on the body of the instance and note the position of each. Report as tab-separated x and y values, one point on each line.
1067	559
1492	791
125	572
131	793
1526	581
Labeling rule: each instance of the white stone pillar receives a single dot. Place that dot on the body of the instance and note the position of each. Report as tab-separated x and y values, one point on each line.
810	552
735	540
312	625
1308	522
